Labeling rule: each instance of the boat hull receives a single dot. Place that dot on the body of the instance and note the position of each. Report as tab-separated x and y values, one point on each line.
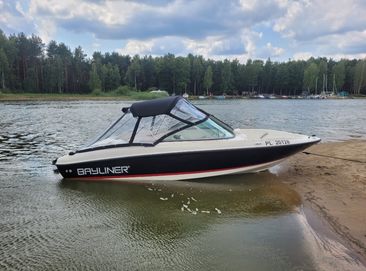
181	165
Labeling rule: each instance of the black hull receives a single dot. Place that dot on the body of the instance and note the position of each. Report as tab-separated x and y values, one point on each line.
179	163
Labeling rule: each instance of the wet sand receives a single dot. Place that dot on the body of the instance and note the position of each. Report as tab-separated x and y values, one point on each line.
331	180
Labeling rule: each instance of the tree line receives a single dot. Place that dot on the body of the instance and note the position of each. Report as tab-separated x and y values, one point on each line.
29	65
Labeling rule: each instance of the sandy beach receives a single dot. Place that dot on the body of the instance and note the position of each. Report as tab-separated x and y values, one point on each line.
331	179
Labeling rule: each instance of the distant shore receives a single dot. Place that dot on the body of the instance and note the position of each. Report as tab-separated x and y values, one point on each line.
332	181
77	97
136	96
56	97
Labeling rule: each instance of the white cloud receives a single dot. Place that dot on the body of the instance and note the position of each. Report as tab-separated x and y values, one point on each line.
326	28
215	29
350	42
345	56
134	19
46	15
302	56
217	45
248	4
19	8
45	29
135	47
309	19
348	45
273	50
96	45
109	12
213	47
12	18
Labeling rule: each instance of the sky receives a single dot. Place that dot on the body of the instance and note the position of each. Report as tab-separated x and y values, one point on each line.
216	29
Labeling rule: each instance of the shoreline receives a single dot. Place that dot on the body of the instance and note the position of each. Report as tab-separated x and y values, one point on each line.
331	181
13	97
8	97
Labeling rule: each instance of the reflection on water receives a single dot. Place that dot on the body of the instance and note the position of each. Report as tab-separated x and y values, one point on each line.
108	225
247	222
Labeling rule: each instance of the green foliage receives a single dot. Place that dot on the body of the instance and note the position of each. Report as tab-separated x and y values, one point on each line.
123	91
97	92
4	68
109	77
282	83
144	95
268	76
181	77
311	75
94	81
359	76
133	72
207	79
166	72
197	70
26	64
339	75
252	72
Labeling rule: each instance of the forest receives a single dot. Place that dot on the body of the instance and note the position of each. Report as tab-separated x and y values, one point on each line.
29	65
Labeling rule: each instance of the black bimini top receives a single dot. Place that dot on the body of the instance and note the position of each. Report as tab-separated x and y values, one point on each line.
154	107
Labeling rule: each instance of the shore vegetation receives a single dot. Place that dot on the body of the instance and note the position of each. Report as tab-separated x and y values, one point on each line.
28	65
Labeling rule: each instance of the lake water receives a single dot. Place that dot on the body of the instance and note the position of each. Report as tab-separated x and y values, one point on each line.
255	222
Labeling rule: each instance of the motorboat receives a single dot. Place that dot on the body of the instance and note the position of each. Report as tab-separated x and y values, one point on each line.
171	139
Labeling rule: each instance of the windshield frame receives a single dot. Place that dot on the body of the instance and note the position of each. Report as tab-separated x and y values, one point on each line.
220	123
131	142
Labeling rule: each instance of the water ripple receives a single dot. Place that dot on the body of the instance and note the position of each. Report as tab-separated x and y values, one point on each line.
48	224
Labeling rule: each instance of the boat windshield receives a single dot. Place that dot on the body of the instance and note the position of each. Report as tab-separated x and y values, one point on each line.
186	111
206	130
183	122
118	134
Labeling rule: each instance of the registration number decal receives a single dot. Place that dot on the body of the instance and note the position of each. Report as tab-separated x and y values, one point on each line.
277	142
